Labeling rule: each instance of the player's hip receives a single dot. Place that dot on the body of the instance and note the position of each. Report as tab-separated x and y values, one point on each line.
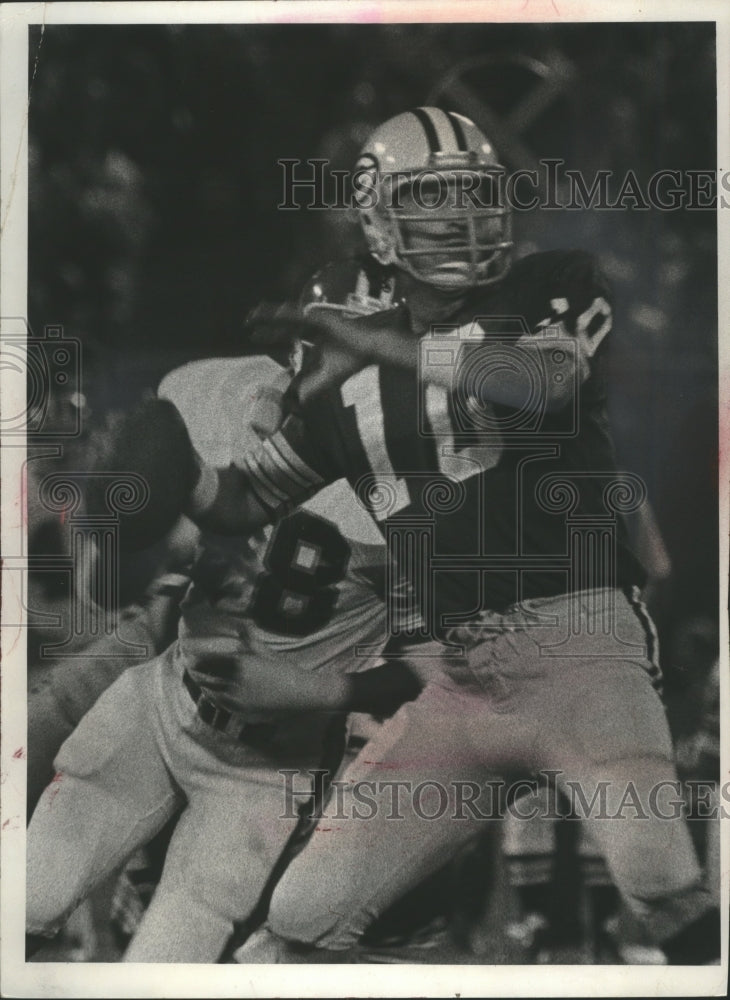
541	637
191	719
579	669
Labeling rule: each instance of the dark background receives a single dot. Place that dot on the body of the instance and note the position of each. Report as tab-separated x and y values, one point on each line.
154	225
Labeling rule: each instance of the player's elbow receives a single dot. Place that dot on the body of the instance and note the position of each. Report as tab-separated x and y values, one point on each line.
547	393
539	377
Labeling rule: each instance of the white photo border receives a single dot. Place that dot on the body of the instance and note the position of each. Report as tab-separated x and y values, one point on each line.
20	979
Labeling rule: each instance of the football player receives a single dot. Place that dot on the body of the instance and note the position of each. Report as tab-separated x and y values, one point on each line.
472	424
284	613
60	696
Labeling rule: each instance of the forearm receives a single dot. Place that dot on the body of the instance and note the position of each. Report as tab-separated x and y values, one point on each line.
334	366
531	373
285	686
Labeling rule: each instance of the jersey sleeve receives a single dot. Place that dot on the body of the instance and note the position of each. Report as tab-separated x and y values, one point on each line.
570	291
576	277
295	462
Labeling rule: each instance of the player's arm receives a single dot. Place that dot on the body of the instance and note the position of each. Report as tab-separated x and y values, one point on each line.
271	481
282	472
511	384
254	683
541	369
535	377
153	447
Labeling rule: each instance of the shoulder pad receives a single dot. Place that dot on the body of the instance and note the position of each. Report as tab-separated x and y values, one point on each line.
565	286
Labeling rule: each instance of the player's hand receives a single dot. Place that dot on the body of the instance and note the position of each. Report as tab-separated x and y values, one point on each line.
152	443
328	361
340	344
328	365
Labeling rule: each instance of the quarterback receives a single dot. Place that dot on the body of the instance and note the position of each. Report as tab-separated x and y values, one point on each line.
471	423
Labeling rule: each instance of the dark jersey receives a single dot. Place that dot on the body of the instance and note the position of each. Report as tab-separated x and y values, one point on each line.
482	505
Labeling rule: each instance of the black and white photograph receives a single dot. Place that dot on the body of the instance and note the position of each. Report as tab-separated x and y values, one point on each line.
364	498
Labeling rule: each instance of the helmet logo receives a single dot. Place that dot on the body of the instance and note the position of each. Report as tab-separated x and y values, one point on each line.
365	182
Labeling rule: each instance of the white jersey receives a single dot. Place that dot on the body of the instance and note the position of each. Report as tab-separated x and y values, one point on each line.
302	587
311	586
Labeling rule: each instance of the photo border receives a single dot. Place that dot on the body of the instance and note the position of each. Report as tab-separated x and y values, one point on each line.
120	980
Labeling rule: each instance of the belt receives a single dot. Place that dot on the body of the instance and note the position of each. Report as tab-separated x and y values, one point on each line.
255	734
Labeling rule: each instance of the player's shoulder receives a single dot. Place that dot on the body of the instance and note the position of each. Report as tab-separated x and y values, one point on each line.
223	379
556	264
544	286
553	270
575	275
183	384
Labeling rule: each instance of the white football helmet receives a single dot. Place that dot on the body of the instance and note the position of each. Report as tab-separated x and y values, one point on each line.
428	188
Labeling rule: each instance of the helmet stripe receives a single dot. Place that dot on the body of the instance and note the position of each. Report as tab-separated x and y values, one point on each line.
429	128
458	131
